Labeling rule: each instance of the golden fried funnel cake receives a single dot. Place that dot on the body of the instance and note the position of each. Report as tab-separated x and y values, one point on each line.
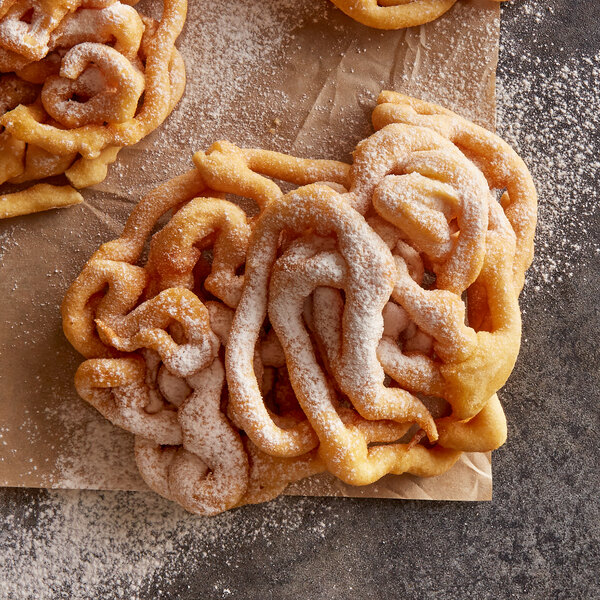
79	80
360	323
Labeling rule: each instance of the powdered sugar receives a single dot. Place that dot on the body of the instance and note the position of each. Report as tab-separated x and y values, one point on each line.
549	120
241	37
82	545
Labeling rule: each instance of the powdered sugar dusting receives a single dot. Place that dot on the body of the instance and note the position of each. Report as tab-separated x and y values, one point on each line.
132	545
549	120
74	472
241	37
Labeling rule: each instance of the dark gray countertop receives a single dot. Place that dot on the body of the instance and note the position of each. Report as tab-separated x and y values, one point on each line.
538	538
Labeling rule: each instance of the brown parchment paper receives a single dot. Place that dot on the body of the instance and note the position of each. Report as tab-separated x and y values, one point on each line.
296	76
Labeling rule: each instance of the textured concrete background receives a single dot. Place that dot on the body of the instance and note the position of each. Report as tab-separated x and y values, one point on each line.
539	538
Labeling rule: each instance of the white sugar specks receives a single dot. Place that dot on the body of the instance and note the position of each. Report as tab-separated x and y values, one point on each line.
240	38
80	545
550	120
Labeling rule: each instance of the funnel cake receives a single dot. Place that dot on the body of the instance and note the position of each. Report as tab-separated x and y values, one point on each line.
395	14
80	79
361	323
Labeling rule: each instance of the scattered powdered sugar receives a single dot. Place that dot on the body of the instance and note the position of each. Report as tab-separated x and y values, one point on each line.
80	545
550	120
223	50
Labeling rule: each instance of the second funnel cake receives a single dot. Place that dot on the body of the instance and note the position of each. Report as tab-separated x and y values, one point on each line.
395	14
359	324
79	80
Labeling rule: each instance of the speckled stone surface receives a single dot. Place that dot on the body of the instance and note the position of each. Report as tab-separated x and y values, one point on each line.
538	538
